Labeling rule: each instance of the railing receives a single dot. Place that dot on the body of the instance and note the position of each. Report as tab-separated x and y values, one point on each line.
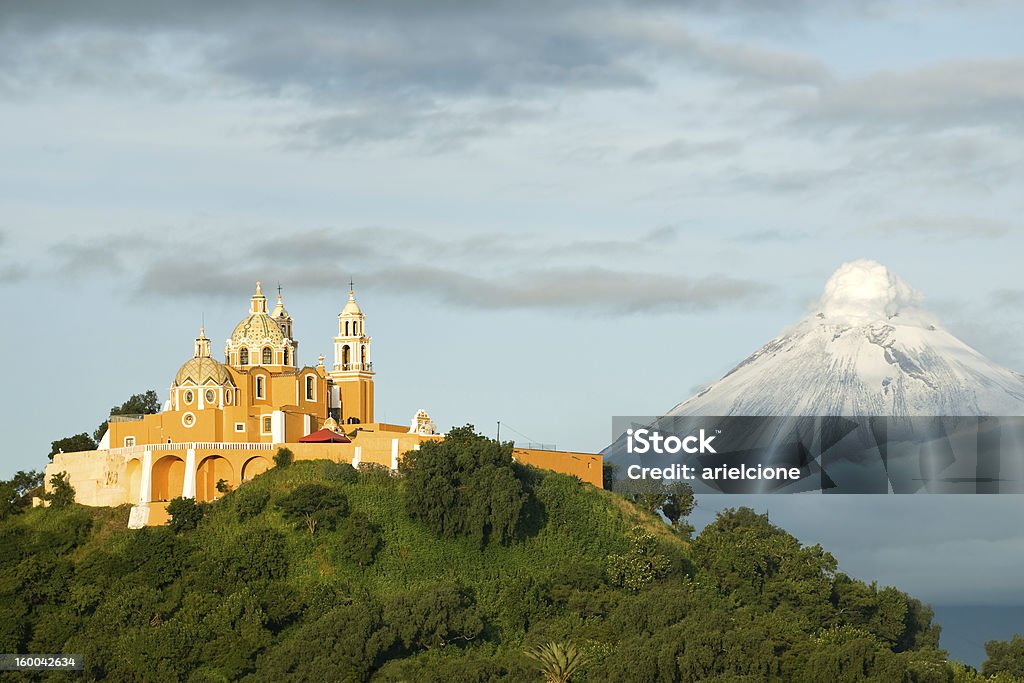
195	445
346	367
136	417
530	445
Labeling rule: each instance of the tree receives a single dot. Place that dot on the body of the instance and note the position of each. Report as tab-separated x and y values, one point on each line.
315	506
146	403
16	492
641	565
359	539
223	486
283	457
1004	657
679	503
649	494
464	485
608	471
185	513
557	661
72	444
63	493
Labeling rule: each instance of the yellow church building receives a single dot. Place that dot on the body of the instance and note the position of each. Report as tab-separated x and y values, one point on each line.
223	421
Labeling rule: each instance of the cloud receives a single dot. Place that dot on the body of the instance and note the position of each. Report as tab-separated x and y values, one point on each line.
442	74
1012	298
771	235
945	227
978	92
684	150
11	273
482	272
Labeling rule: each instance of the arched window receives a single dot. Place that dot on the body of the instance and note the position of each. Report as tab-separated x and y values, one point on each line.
362	358
344	357
310	388
268	356
355	329
260	388
243	357
286	355
346	328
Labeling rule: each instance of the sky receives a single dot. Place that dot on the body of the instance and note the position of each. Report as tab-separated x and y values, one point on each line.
554	212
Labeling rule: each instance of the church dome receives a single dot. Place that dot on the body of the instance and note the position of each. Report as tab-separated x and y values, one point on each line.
257	328
202	370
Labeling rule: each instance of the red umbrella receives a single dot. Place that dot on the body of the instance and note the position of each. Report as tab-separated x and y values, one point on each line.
325	436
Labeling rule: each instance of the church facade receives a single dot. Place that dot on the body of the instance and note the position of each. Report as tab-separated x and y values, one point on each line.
222	422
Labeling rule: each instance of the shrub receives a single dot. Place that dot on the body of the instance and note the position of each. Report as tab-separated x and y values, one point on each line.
359	540
185	514
314	506
284	457
248	503
63	493
464	486
339	471
640	565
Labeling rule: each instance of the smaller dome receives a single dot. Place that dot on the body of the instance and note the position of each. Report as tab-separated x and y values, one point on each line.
203	370
279	310
332	424
351	308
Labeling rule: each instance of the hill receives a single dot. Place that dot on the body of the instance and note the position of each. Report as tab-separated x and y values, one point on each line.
383	591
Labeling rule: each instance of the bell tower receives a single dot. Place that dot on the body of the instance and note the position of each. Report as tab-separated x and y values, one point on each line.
352	372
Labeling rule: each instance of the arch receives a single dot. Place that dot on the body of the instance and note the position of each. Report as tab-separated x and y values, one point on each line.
268	356
345	353
261	386
254	466
243	357
355	329
133	475
168	477
212	469
346	328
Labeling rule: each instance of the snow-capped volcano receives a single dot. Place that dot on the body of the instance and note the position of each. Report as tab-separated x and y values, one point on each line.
867	349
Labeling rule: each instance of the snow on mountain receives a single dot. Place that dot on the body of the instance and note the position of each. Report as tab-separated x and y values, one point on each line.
867	349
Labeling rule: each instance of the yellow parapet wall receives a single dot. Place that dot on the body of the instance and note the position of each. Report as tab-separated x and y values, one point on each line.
147	476
587	466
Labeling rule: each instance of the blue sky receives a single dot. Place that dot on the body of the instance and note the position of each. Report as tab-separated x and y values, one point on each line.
553	212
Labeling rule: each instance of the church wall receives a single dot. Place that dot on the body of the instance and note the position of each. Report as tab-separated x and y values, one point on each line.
99	478
587	466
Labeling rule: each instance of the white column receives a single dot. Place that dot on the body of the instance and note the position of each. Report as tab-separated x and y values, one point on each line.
308	426
188	489
394	454
146	486
201	397
357	457
277	426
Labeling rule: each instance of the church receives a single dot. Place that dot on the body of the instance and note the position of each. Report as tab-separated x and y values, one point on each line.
222	422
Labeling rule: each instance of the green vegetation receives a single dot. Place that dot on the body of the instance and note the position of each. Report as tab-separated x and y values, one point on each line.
72	444
146	403
558	661
465	485
283	457
527	576
1005	658
62	493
